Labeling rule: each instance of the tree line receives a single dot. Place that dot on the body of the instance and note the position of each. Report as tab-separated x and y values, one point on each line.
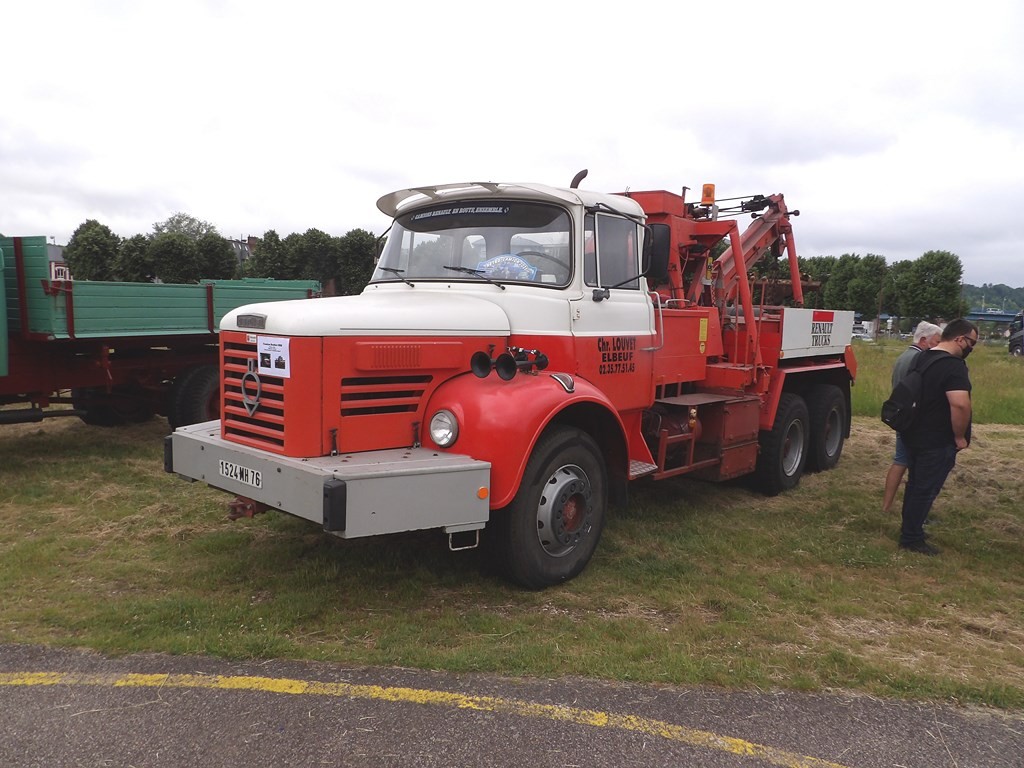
928	287
925	287
184	249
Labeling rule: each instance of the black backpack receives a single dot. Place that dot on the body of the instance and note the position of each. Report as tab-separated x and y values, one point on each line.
902	407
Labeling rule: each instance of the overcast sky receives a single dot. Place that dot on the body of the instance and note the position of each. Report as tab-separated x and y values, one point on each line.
895	127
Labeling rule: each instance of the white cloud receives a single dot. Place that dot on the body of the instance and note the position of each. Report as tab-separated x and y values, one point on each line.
895	127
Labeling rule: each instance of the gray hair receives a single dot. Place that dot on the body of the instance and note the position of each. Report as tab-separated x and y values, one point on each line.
925	329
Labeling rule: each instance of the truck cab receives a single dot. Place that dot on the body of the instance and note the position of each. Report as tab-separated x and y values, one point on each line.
568	285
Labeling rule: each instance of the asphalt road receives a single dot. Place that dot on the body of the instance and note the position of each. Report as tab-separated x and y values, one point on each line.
71	708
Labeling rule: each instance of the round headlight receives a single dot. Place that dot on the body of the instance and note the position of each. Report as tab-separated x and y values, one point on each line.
444	429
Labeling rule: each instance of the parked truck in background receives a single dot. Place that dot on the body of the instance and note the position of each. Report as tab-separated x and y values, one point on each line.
521	353
116	352
1017	335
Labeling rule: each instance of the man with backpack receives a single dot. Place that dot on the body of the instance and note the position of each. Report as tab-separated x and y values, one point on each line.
926	336
941	428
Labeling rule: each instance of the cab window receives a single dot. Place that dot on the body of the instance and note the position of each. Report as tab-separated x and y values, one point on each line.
610	253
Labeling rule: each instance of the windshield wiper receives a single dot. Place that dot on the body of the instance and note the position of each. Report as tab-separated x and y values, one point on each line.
397	273
477	273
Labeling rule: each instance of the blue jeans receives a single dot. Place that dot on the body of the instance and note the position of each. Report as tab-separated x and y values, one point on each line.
927	469
901	452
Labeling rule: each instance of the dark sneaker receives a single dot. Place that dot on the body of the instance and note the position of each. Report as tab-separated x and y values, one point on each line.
922	548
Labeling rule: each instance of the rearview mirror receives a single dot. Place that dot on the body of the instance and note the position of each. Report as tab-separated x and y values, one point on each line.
657	249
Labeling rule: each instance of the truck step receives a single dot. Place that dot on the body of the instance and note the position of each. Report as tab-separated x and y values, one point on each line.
641	468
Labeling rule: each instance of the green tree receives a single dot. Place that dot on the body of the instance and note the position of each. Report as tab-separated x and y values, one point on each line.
316	256
357	254
216	257
819	270
818	267
175	258
933	287
898	282
836	293
293	252
91	252
134	263
864	290
855	282
184	224
270	258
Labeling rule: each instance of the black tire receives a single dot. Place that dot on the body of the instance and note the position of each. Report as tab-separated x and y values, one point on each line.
1016	350
195	397
120	406
826	408
549	532
176	395
783	453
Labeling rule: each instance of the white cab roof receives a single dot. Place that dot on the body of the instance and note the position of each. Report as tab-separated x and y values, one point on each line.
397	203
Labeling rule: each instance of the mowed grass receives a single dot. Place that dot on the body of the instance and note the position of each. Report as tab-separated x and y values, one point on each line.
693	583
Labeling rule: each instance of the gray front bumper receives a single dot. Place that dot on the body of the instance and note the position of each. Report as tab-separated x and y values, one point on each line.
351	495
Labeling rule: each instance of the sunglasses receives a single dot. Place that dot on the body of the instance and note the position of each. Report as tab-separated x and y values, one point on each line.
970	341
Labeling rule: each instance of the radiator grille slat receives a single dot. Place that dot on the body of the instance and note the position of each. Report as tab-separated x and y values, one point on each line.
363	396
265	427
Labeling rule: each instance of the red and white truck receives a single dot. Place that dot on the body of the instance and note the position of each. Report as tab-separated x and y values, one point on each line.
521	353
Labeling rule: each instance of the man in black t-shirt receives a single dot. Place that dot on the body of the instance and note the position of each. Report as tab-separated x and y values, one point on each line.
942	429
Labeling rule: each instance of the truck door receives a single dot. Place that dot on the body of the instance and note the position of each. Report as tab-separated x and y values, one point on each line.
613	335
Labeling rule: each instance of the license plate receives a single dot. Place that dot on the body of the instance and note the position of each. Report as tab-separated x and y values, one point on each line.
242	474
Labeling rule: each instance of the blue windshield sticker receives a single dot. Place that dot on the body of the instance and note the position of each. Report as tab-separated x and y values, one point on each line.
508	266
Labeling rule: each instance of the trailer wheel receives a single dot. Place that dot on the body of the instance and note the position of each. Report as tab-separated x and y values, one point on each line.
195	397
826	407
783	454
122	405
549	532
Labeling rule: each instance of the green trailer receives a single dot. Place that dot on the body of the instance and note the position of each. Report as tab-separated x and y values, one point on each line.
116	352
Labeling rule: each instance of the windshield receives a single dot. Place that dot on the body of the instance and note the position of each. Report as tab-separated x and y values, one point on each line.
504	241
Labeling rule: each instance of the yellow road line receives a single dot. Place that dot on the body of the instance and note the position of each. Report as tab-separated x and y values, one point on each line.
659	728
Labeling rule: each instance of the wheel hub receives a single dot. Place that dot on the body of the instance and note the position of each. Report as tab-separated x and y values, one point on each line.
563	513
793	448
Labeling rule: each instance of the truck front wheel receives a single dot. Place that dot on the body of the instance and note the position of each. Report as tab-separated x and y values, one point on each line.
784	447
549	532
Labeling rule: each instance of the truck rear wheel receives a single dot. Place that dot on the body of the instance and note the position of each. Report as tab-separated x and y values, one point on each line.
826	407
549	532
783	454
122	405
195	397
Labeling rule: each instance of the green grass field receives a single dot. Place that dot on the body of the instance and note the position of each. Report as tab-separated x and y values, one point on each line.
694	583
